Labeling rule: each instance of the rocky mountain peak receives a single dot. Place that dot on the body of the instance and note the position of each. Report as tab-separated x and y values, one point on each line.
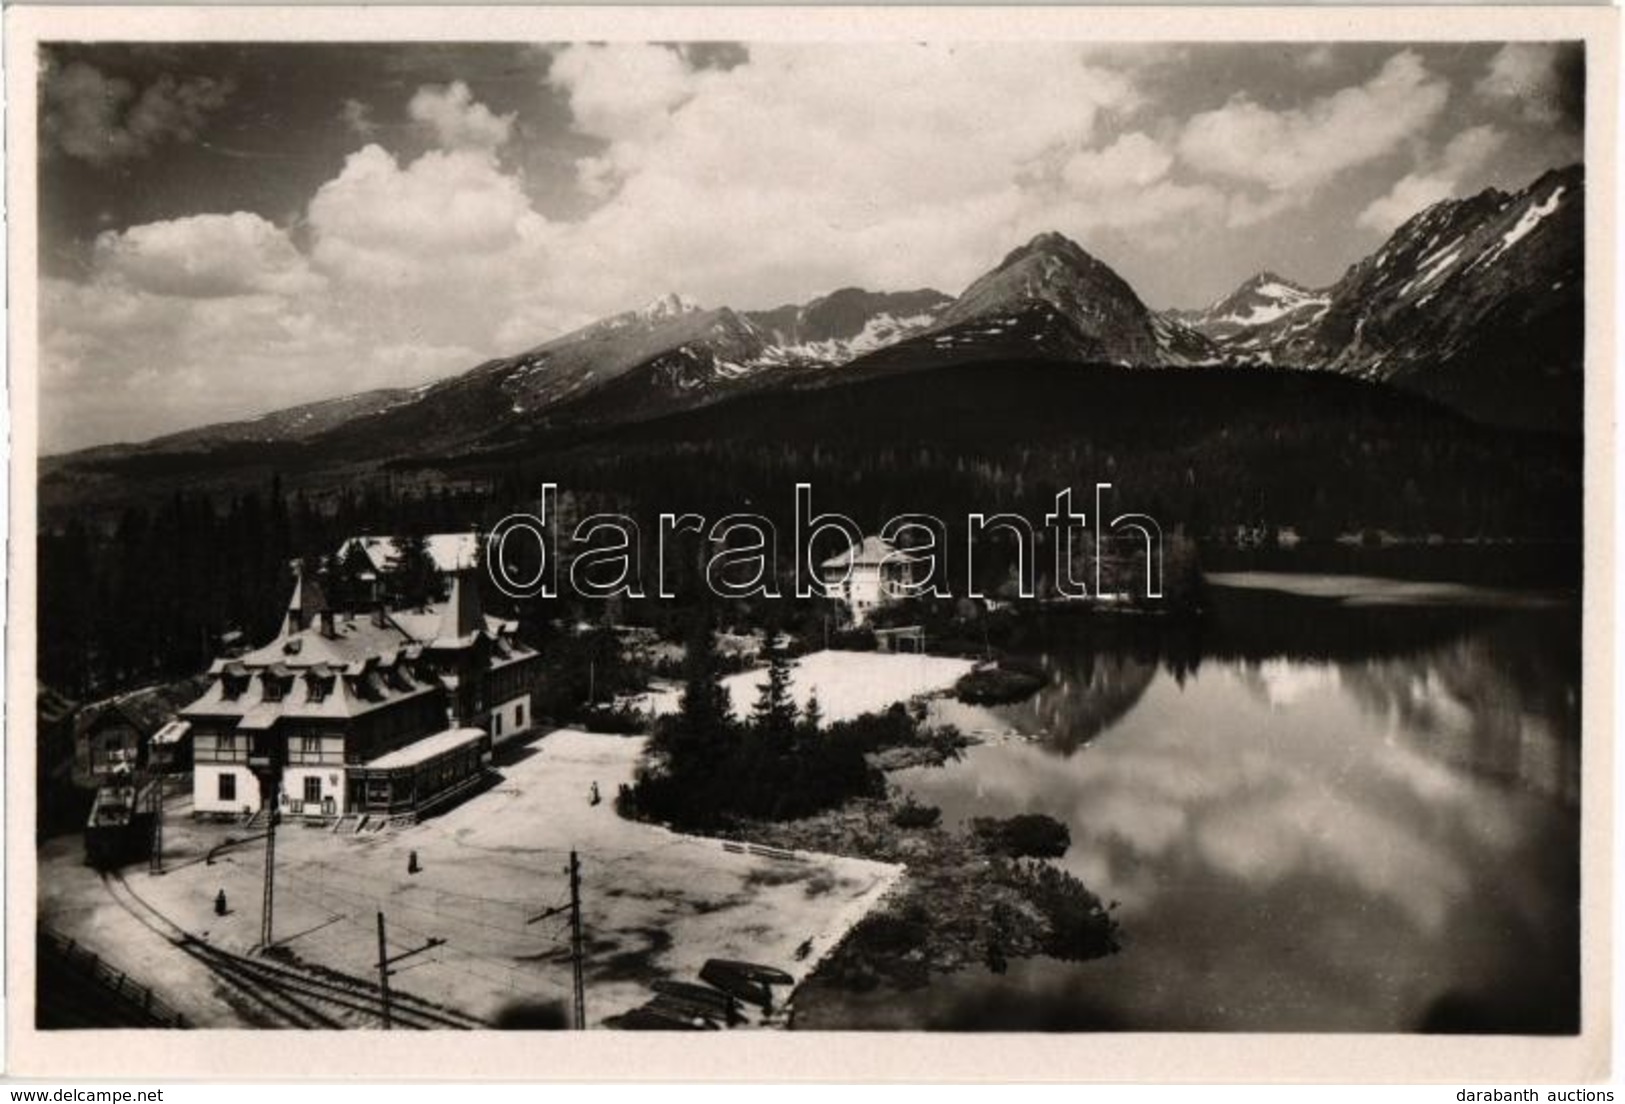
1054	270
670	305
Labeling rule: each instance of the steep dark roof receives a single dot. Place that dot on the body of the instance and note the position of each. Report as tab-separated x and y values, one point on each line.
871	552
147	709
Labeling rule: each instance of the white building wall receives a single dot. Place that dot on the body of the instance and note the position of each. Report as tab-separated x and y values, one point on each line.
329	780
206	788
865	589
861	591
511	719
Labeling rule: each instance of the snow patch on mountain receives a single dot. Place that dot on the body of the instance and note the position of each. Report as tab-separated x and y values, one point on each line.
670	305
1265	300
1532	217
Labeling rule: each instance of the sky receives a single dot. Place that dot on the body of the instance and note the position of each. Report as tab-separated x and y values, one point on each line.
230	229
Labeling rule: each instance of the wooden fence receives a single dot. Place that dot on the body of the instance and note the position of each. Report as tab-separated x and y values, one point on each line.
79	988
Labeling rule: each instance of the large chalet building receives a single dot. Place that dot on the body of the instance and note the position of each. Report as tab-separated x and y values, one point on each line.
380	712
868	575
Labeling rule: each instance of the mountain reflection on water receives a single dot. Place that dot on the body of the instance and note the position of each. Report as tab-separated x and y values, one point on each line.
1315	818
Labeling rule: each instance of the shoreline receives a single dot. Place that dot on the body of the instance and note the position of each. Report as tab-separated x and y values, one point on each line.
955	902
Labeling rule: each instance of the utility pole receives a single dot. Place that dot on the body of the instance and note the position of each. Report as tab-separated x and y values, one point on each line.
383	969
266	764
385	960
156	862
266	902
576	958
575	942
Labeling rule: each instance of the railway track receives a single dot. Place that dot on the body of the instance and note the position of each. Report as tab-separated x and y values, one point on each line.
340	991
293	996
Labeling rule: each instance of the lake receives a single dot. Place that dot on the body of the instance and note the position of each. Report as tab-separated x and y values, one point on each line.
1332	805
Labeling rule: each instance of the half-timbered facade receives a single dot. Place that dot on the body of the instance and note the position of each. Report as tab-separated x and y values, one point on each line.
363	712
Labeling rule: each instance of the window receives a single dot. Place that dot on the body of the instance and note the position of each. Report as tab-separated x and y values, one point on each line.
310	745
313	790
496	720
228	787
273	689
519	715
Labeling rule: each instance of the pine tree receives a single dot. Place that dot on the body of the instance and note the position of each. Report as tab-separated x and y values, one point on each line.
705	699
698	735
775	713
414	576
350	589
812	718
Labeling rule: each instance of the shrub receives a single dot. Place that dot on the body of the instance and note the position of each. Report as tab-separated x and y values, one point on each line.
999	685
891	934
1027	835
911	814
622	720
872	731
1080	927
853	640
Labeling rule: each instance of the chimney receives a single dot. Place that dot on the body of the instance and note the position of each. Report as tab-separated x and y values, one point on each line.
308	601
296	608
462	614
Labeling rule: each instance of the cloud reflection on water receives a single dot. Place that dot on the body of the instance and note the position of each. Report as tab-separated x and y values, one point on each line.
1300	844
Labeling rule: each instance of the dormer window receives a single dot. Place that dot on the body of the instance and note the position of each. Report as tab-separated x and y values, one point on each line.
275	682
318	683
234	680
367	686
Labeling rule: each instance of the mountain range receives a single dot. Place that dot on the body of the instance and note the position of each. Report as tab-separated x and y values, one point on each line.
1476	303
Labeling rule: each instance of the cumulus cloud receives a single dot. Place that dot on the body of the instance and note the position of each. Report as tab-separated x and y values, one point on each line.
846	165
622	90
121	362
1134	159
1443	178
1543	81
103	119
457	120
410	273
379	222
205	256
1129	184
358	117
1292	152
409	270
839	166
755	179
